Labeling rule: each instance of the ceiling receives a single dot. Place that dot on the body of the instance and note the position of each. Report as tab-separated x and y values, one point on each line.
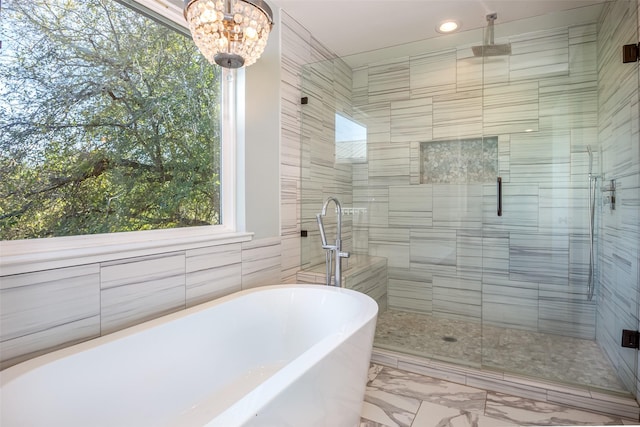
348	27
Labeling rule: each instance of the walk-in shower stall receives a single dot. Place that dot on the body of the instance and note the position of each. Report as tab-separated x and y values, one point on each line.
502	190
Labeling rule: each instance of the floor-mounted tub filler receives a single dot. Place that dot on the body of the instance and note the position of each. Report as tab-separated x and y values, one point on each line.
286	355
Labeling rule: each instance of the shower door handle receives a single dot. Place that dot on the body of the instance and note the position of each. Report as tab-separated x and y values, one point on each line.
499	196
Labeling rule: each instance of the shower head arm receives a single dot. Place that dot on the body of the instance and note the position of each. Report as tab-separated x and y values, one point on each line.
490	36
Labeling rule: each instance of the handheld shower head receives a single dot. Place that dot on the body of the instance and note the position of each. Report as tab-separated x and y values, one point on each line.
590	160
323	236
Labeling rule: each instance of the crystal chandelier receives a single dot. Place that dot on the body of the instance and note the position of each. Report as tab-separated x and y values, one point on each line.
231	33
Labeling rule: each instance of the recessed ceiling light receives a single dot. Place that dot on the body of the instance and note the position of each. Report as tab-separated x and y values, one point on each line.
448	26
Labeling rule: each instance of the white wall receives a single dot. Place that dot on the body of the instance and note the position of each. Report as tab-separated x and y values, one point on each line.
262	139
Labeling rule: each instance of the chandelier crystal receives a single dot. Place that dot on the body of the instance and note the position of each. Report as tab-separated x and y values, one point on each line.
230	33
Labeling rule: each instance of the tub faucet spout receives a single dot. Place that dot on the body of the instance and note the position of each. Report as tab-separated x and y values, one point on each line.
333	251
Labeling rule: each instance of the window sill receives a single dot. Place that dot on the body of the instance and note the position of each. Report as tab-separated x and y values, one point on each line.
23	256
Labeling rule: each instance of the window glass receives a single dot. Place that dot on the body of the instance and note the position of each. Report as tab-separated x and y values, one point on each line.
351	140
109	122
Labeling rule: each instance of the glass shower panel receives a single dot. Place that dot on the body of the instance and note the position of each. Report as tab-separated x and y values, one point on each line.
323	172
421	189
618	230
541	103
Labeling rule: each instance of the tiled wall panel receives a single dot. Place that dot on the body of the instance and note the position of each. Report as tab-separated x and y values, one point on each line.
411	120
457	298
433	74
509	302
389	80
47	309
510	108
539	55
458	115
132	291
261	263
222	262
410	290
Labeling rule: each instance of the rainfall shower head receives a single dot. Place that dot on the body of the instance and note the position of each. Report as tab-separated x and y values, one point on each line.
489	48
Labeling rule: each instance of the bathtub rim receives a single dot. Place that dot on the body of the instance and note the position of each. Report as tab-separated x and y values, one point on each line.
14	371
249	404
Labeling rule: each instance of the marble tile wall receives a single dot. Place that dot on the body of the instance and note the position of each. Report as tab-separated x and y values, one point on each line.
619	231
366	274
446	246
44	310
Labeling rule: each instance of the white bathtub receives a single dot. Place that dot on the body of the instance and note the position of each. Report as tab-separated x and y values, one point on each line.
289	355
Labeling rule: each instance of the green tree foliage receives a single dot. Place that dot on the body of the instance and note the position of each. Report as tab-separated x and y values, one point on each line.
109	122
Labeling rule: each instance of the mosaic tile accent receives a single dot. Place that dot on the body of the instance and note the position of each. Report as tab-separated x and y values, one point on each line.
467	161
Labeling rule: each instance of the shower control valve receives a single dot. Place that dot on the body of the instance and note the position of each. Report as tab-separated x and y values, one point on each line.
630	339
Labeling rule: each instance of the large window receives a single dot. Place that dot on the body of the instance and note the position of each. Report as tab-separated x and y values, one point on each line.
109	121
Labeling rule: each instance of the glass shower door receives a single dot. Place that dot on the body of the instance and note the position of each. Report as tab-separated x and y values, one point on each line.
541	102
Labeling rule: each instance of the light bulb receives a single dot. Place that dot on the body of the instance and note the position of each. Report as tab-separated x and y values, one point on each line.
448	26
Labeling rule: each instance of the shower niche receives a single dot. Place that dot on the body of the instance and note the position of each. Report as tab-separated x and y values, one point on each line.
459	161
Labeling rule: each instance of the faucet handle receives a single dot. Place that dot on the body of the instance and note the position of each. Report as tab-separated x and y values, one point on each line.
344	254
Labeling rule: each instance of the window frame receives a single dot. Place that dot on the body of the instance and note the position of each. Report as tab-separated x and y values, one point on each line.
20	256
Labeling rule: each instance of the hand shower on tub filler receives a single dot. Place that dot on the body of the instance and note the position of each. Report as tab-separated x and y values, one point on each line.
333	267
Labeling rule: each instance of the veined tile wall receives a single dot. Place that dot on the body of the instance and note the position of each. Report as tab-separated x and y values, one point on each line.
619	243
444	242
49	309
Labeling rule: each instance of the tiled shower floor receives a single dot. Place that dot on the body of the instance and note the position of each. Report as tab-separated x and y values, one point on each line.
545	356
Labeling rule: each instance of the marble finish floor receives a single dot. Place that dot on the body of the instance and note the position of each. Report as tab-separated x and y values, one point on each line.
397	398
545	356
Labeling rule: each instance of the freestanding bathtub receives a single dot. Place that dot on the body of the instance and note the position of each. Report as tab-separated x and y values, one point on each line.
286	355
